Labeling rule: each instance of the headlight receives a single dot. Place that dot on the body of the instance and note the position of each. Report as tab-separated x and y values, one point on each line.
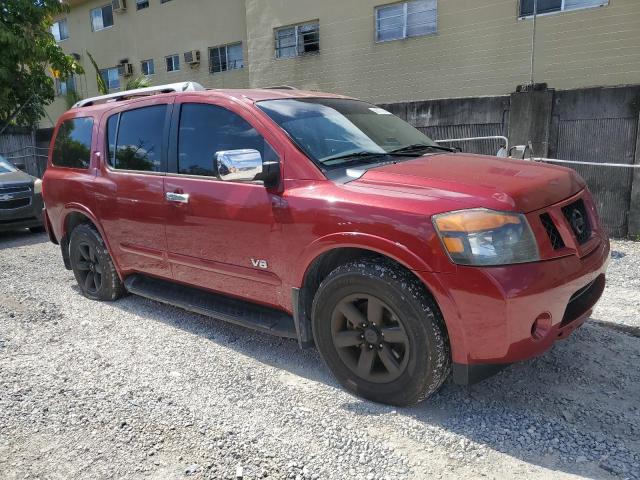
37	186
486	237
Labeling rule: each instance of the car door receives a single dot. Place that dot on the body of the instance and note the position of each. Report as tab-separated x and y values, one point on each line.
130	185
220	234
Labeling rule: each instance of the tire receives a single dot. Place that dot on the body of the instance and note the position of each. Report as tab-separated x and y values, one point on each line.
403	355
92	265
36	229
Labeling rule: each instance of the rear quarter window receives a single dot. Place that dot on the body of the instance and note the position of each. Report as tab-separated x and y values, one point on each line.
72	147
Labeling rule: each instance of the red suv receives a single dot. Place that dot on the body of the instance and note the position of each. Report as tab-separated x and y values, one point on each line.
328	220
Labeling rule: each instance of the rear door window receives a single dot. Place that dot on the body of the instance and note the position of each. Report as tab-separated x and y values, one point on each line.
135	139
72	147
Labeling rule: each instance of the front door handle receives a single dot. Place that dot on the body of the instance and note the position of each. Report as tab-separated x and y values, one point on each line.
177	197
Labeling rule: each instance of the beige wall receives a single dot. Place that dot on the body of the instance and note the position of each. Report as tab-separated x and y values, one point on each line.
481	48
155	32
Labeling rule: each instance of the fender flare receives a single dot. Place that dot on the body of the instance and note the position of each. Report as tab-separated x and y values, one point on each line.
365	241
73	207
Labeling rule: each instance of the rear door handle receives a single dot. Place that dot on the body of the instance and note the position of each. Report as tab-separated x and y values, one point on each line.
177	197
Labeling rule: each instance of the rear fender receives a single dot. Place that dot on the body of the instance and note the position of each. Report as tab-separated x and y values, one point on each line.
79	208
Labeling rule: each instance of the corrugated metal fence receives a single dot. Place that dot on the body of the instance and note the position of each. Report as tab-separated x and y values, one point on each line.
604	140
591	125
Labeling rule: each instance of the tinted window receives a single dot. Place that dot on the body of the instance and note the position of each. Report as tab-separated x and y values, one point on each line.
112	130
139	139
72	147
207	129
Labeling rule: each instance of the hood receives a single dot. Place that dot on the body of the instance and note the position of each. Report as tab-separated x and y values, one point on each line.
15	178
477	180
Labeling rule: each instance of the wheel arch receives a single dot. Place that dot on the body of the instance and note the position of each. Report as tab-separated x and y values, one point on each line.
333	255
73	216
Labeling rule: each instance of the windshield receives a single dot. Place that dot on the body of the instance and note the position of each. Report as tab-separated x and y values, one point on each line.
6	166
329	130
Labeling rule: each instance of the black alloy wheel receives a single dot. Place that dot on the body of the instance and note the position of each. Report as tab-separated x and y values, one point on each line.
369	338
92	265
380	332
89	268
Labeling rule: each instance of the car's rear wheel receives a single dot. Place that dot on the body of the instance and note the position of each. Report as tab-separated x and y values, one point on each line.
380	332
92	265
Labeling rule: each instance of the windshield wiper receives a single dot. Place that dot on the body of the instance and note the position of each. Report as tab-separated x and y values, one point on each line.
419	147
359	156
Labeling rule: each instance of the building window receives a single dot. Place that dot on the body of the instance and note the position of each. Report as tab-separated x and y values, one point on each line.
101	18
140	4
111	77
407	19
173	63
65	87
553	6
226	57
297	40
59	30
147	67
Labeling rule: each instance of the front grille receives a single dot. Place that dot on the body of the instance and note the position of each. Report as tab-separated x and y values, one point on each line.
576	215
13	220
14	189
16	203
583	299
552	231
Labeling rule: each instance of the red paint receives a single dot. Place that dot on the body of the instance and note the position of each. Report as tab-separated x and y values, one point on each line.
489	312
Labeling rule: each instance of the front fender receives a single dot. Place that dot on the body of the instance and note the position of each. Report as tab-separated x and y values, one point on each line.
394	250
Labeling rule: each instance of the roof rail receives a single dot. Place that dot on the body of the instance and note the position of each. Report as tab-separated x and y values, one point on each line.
280	87
140	92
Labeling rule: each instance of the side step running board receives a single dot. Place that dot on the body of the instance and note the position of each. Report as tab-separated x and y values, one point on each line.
246	314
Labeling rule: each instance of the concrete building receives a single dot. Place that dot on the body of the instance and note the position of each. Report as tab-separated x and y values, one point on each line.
461	48
153	36
379	51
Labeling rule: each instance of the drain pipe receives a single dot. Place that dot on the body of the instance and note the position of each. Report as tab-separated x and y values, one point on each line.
533	40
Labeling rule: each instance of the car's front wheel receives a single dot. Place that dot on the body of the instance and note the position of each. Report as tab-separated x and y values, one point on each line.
380	332
92	265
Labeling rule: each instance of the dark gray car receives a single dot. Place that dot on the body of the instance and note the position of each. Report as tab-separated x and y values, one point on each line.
20	199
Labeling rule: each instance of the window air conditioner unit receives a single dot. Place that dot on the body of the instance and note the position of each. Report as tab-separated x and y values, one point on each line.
192	57
125	69
118	5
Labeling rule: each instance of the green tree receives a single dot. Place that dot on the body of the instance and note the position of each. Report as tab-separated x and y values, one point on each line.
141	81
102	85
28	56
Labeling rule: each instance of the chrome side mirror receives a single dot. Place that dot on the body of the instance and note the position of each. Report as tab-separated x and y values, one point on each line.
238	165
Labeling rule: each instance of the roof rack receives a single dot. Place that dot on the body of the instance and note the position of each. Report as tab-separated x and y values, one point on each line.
280	87
140	92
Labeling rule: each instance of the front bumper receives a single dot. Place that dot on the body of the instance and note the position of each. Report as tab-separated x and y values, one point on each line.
24	217
499	315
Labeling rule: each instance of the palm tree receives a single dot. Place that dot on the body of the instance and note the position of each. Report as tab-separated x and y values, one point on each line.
141	81
103	89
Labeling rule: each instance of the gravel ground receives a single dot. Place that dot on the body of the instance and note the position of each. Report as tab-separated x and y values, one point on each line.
141	390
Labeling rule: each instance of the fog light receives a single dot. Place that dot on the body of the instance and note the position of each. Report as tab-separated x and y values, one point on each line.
541	326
